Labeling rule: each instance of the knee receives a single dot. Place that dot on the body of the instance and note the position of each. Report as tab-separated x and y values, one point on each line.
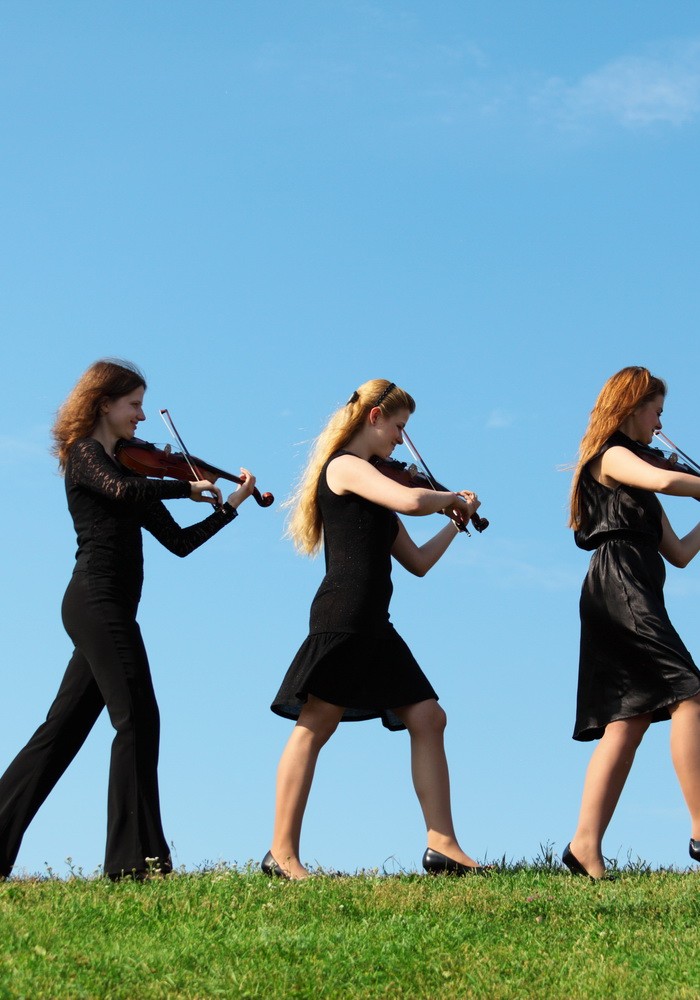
317	733
135	717
691	706
427	718
317	725
629	733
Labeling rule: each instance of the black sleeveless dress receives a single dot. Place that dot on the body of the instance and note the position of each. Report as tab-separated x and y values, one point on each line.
353	656
632	660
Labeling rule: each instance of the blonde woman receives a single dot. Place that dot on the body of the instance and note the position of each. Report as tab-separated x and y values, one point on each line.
354	665
109	665
634	669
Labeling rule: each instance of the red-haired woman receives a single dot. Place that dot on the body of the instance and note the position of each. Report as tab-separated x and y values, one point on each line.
634	669
109	666
354	665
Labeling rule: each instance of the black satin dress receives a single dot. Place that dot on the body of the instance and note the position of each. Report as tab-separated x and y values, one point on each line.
353	656
632	660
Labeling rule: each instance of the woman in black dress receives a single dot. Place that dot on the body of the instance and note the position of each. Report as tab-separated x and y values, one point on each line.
109	666
634	669
353	665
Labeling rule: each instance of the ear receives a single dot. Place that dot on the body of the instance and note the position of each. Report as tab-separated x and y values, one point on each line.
374	414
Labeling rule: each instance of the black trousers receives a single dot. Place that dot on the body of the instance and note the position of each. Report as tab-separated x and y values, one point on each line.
109	667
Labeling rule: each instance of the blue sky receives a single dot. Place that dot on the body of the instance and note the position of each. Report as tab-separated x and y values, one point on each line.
263	205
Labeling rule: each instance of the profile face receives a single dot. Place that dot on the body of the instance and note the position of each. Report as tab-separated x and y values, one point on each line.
646	419
123	415
390	431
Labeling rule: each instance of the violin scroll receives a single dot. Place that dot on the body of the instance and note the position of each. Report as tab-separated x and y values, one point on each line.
148	459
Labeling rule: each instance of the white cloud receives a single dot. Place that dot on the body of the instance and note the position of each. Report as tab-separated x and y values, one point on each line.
499	418
635	91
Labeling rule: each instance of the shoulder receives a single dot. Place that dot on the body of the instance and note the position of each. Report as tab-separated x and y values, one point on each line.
341	453
345	463
618	440
85	448
617	444
342	469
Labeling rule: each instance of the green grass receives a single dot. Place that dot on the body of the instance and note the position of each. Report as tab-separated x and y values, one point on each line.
525	931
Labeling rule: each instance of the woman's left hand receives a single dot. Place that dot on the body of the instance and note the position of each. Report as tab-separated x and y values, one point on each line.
243	491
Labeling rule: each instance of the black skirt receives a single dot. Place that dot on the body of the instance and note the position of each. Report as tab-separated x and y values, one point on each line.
632	660
369	674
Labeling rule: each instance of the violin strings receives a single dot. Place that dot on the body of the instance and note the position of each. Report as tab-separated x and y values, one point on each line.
416	455
168	421
674	447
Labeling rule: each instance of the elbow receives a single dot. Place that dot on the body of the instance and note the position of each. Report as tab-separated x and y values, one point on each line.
678	559
418	569
415	505
179	550
667	483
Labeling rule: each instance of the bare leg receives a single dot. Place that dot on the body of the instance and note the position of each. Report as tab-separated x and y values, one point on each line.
317	723
426	723
607	772
685	753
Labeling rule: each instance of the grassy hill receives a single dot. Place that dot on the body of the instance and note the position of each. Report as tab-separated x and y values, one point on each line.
523	932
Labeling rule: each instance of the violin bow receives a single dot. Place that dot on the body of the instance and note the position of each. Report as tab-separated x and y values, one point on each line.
431	478
168	421
674	447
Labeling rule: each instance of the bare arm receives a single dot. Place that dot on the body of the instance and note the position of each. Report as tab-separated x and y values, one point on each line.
678	551
619	465
418	559
350	474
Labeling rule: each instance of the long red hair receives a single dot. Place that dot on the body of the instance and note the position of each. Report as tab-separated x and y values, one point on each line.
618	399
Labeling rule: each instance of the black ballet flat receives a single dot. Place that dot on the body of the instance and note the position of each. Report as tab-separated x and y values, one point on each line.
576	868
439	864
271	868
694	849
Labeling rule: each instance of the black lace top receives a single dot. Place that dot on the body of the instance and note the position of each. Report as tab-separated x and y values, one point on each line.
110	506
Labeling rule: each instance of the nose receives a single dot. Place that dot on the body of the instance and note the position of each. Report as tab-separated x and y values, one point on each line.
140	415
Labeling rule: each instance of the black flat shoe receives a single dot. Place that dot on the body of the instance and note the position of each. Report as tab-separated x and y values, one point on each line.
694	849
576	868
436	864
271	868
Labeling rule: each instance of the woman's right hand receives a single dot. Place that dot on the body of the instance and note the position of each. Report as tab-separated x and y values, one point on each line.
467	504
204	491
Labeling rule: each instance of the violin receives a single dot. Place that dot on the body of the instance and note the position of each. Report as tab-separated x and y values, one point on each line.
670	460
411	476
159	463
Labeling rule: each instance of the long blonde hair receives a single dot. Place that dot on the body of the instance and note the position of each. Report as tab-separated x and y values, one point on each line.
107	379
304	525
618	399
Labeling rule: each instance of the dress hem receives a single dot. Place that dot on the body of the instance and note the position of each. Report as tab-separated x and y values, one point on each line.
658	714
